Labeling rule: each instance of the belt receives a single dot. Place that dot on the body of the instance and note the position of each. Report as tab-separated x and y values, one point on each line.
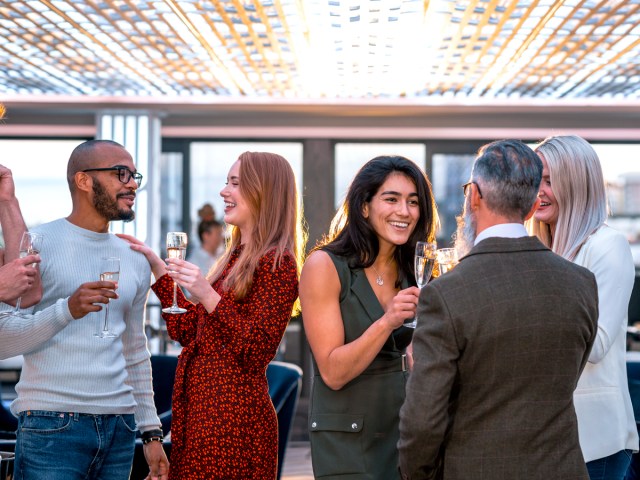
388	365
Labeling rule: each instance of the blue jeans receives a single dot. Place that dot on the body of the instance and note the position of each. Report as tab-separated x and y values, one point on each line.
74	446
613	467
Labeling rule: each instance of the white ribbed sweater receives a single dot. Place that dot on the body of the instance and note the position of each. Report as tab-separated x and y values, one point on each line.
65	367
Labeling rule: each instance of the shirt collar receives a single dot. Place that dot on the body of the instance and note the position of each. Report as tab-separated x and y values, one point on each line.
505	230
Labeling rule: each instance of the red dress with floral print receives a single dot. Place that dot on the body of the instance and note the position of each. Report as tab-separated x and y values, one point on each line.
224	425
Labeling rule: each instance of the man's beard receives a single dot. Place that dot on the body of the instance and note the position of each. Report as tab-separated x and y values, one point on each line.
466	233
108	207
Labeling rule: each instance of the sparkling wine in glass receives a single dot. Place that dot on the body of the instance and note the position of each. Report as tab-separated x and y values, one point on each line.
110	272
30	244
176	248
424	261
447	259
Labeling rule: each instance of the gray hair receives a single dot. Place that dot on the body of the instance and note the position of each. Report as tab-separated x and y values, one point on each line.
508	173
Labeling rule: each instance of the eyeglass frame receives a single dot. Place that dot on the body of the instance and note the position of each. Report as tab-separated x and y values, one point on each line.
137	177
465	187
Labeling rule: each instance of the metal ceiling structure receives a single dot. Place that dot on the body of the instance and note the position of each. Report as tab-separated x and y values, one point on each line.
321	50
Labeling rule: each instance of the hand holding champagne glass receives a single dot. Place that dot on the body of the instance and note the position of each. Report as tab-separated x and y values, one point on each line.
30	244
424	260
176	248
110	272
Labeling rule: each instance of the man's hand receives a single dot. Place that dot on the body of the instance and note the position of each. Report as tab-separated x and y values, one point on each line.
157	461
84	299
17	277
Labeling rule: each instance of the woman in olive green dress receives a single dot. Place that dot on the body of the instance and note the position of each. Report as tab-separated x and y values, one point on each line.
357	289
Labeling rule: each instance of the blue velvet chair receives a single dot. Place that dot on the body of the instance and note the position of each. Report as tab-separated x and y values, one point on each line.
285	382
163	368
8	423
633	377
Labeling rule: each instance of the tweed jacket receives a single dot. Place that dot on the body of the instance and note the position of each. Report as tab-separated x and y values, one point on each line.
500	344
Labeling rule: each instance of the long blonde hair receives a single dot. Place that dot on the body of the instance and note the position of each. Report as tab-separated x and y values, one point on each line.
578	185
267	184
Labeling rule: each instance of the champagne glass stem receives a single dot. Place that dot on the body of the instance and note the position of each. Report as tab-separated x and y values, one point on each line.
105	327
17	308
175	295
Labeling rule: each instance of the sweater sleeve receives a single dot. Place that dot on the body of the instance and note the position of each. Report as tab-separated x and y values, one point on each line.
22	335
612	265
138	363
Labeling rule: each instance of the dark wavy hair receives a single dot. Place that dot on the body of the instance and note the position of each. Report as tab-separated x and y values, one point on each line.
351	234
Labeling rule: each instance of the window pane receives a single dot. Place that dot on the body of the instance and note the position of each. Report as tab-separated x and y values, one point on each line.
450	171
621	169
351	156
39	169
171	198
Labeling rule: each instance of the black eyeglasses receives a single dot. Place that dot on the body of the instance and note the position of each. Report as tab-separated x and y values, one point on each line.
124	174
465	187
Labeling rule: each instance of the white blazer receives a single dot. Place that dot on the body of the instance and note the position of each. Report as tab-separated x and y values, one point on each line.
606	423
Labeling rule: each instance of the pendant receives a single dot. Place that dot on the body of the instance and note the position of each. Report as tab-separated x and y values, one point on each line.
379	280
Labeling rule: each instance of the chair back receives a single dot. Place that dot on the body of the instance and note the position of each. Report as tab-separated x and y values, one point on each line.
8	423
163	368
634	301
633	379
285	381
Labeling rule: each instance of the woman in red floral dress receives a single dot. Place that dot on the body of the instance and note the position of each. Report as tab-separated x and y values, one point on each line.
224	425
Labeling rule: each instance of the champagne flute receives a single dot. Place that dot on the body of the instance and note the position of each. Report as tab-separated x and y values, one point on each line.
424	260
447	259
176	248
110	272
30	244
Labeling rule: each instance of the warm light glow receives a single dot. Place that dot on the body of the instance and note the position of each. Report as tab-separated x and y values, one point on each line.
321	50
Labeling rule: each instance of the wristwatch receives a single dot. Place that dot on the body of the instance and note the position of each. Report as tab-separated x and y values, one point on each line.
155	435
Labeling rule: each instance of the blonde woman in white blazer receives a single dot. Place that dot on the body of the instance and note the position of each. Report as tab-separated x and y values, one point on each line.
571	221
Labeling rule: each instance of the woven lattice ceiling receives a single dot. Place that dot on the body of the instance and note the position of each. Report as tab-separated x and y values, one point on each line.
315	49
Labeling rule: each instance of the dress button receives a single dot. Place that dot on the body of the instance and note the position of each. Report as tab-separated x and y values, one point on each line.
354	425
314	424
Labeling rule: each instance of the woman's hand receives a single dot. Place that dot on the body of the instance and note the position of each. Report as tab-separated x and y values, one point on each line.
402	307
190	278
158	267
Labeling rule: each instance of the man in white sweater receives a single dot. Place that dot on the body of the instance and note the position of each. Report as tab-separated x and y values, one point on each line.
81	397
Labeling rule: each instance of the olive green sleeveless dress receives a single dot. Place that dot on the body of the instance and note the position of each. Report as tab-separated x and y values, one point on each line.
354	430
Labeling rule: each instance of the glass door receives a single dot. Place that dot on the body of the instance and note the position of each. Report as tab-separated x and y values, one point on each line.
449	166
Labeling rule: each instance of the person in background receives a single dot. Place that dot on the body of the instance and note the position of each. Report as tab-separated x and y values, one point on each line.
224	426
207	213
81	398
211	240
501	342
18	278
571	221
356	290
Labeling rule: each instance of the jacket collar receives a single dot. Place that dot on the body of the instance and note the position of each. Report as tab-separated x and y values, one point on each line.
506	245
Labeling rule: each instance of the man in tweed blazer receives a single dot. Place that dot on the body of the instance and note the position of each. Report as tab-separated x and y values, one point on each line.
500	343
